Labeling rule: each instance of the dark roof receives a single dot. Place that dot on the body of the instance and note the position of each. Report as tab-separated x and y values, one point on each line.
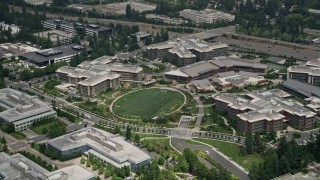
54	53
304	89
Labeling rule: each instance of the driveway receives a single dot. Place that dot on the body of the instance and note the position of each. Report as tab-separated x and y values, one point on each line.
180	144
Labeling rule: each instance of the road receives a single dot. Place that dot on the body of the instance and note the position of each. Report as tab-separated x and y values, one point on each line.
180	144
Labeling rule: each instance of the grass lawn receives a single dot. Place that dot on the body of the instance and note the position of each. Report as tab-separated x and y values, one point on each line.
18	135
276	66
160	146
43	129
192	142
232	151
148	103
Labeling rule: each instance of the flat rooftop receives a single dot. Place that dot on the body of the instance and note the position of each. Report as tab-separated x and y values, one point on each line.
111	146
20	106
304	89
54	53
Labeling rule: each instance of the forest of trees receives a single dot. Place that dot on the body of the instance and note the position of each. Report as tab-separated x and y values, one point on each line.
288	157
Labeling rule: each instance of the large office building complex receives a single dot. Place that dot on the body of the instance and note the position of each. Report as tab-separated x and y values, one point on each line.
301	89
21	109
205	69
18	167
206	16
45	57
265	111
184	51
89	29
109	148
92	77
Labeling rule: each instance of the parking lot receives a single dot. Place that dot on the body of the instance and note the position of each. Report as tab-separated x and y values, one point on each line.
273	49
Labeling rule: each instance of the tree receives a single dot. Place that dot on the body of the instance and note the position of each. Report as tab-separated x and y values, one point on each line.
82	161
284	166
107	173
182	164
249	142
161	160
3	140
258	145
128	133
137	138
101	169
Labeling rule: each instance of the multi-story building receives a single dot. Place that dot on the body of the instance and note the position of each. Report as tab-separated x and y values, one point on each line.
22	110
206	16
56	37
265	111
45	57
186	47
181	56
205	69
89	29
109	148
260	120
88	82
300	89
306	74
19	167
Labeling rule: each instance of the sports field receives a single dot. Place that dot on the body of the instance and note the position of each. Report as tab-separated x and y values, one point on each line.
148	103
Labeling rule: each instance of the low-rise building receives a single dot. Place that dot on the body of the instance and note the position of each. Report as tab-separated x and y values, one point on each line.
165	19
12	27
56	37
202	85
89	29
8	50
205	69
19	167
109	148
45	57
141	36
300	89
237	79
265	111
21	109
206	16
306	74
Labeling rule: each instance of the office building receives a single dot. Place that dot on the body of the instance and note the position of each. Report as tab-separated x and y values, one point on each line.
237	79
265	111
46	57
21	109
141	36
209	16
18	167
306	74
89	29
56	37
300	89
12	27
109	148
89	83
205	69
186	50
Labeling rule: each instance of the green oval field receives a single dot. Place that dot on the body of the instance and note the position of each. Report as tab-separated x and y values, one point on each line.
148	103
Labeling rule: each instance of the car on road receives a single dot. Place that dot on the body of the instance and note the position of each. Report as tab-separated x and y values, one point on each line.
207	152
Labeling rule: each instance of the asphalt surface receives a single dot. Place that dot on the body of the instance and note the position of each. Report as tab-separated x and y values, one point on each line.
305	54
180	144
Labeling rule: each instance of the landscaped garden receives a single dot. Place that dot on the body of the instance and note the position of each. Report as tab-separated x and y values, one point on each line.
51	127
148	103
233	152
